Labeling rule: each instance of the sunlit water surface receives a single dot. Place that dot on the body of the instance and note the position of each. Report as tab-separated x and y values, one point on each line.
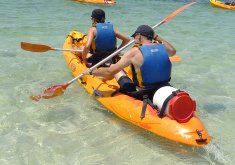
74	128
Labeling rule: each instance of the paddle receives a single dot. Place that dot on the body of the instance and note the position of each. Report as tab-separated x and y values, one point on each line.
175	58
43	48
57	90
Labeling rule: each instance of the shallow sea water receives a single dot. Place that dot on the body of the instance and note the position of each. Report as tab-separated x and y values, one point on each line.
74	128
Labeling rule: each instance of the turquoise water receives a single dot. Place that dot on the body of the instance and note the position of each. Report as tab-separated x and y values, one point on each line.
74	128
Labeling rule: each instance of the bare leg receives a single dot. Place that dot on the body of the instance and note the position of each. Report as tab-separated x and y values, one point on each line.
116	76
119	74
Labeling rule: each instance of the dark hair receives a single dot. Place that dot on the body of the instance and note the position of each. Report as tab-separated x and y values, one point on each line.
99	15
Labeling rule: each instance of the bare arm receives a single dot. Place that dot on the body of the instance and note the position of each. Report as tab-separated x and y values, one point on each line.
122	37
125	61
170	49
90	38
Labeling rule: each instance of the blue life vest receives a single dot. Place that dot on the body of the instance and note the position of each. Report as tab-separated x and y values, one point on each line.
105	39
156	67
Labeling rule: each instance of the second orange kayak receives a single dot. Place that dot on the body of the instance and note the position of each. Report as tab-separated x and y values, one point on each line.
110	2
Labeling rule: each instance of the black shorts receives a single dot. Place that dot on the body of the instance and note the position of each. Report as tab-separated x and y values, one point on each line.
96	58
126	85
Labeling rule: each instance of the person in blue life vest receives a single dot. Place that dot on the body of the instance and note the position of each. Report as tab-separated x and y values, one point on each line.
102	39
150	63
232	3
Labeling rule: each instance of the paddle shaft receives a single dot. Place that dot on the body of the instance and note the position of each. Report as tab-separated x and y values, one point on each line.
67	50
102	61
124	47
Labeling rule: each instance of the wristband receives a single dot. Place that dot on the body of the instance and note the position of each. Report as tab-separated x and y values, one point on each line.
90	73
155	38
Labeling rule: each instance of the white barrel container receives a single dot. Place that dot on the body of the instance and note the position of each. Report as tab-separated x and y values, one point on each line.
180	107
161	95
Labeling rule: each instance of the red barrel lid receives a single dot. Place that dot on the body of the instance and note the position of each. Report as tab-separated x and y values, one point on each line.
181	107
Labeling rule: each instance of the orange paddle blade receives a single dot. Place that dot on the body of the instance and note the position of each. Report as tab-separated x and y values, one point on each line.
50	92
175	58
35	47
177	12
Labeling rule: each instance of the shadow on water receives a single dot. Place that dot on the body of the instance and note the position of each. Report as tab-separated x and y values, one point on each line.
214	107
8	54
58	116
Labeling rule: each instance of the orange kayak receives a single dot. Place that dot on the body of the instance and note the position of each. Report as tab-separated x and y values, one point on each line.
191	132
223	5
111	2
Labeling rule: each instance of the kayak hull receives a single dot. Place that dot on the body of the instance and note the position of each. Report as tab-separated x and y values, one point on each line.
98	1
130	109
220	4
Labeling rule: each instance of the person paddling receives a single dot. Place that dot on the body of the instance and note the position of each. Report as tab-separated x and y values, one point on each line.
151	67
102	39
231	3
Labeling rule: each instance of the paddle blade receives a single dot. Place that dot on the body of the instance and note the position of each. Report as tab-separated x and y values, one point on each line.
35	47
50	92
172	15
175	58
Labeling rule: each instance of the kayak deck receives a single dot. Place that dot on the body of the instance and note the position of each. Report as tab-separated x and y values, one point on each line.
191	132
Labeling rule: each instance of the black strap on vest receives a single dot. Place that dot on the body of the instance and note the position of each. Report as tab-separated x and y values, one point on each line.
134	75
163	109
